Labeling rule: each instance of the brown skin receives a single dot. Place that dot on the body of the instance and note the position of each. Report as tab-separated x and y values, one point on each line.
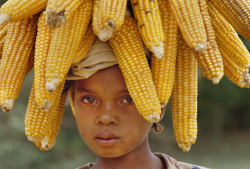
110	124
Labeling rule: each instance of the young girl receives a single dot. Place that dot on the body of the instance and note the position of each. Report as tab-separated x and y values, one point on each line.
107	118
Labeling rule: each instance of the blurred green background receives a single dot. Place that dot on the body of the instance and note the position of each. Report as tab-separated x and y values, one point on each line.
223	133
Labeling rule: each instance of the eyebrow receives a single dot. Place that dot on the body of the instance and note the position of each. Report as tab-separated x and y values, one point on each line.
91	91
124	91
85	90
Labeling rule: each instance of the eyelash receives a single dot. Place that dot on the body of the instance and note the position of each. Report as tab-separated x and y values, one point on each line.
132	102
94	101
88	97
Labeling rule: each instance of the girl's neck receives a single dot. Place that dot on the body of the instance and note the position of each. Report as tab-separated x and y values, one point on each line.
140	158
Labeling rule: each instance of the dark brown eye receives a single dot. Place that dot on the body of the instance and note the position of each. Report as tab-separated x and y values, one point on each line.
89	100
128	100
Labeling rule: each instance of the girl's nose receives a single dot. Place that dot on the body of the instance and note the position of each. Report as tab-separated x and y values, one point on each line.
107	116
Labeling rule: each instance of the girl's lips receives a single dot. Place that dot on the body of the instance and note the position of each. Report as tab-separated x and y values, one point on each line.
106	139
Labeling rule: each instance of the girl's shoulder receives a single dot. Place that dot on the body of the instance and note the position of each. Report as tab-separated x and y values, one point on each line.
172	163
86	166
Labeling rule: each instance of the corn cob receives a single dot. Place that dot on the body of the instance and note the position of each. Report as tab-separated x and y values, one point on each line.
14	10
184	96
19	42
43	41
132	60
163	69
64	44
234	73
57	11
85	44
1	47
190	22
237	13
41	126
111	13
210	61
30	64
228	40
103	33
3	32
149	24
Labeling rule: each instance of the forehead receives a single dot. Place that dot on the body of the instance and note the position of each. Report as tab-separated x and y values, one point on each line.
105	78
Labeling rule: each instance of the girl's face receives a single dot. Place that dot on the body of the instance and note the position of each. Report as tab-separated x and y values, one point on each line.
106	116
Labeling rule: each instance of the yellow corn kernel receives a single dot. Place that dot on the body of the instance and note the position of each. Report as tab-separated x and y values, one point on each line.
150	25
184	96
18	45
14	10
210	61
3	32
228	40
55	120
1	47
64	44
128	48
234	73
85	44
163	69
58	11
41	126
30	64
237	13
34	118
190	22
111	13
43	41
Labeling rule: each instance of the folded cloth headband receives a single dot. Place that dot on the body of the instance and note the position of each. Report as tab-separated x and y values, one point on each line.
99	56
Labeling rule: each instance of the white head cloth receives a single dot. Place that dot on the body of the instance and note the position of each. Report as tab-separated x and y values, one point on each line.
99	56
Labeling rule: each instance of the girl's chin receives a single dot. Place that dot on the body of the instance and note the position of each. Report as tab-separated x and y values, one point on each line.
110	153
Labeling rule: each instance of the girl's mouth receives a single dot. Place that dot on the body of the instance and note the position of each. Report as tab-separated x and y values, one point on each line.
106	139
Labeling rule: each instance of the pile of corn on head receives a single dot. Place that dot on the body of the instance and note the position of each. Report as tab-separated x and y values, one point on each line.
51	35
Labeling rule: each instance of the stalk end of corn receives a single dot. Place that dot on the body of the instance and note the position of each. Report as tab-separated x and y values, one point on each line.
185	147
152	118
200	47
216	79
246	78
45	144
105	34
30	138
8	105
4	18
52	85
47	105
54	19
248	65
158	50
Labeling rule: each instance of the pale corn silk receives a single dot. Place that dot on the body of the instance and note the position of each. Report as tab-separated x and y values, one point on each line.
101	56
